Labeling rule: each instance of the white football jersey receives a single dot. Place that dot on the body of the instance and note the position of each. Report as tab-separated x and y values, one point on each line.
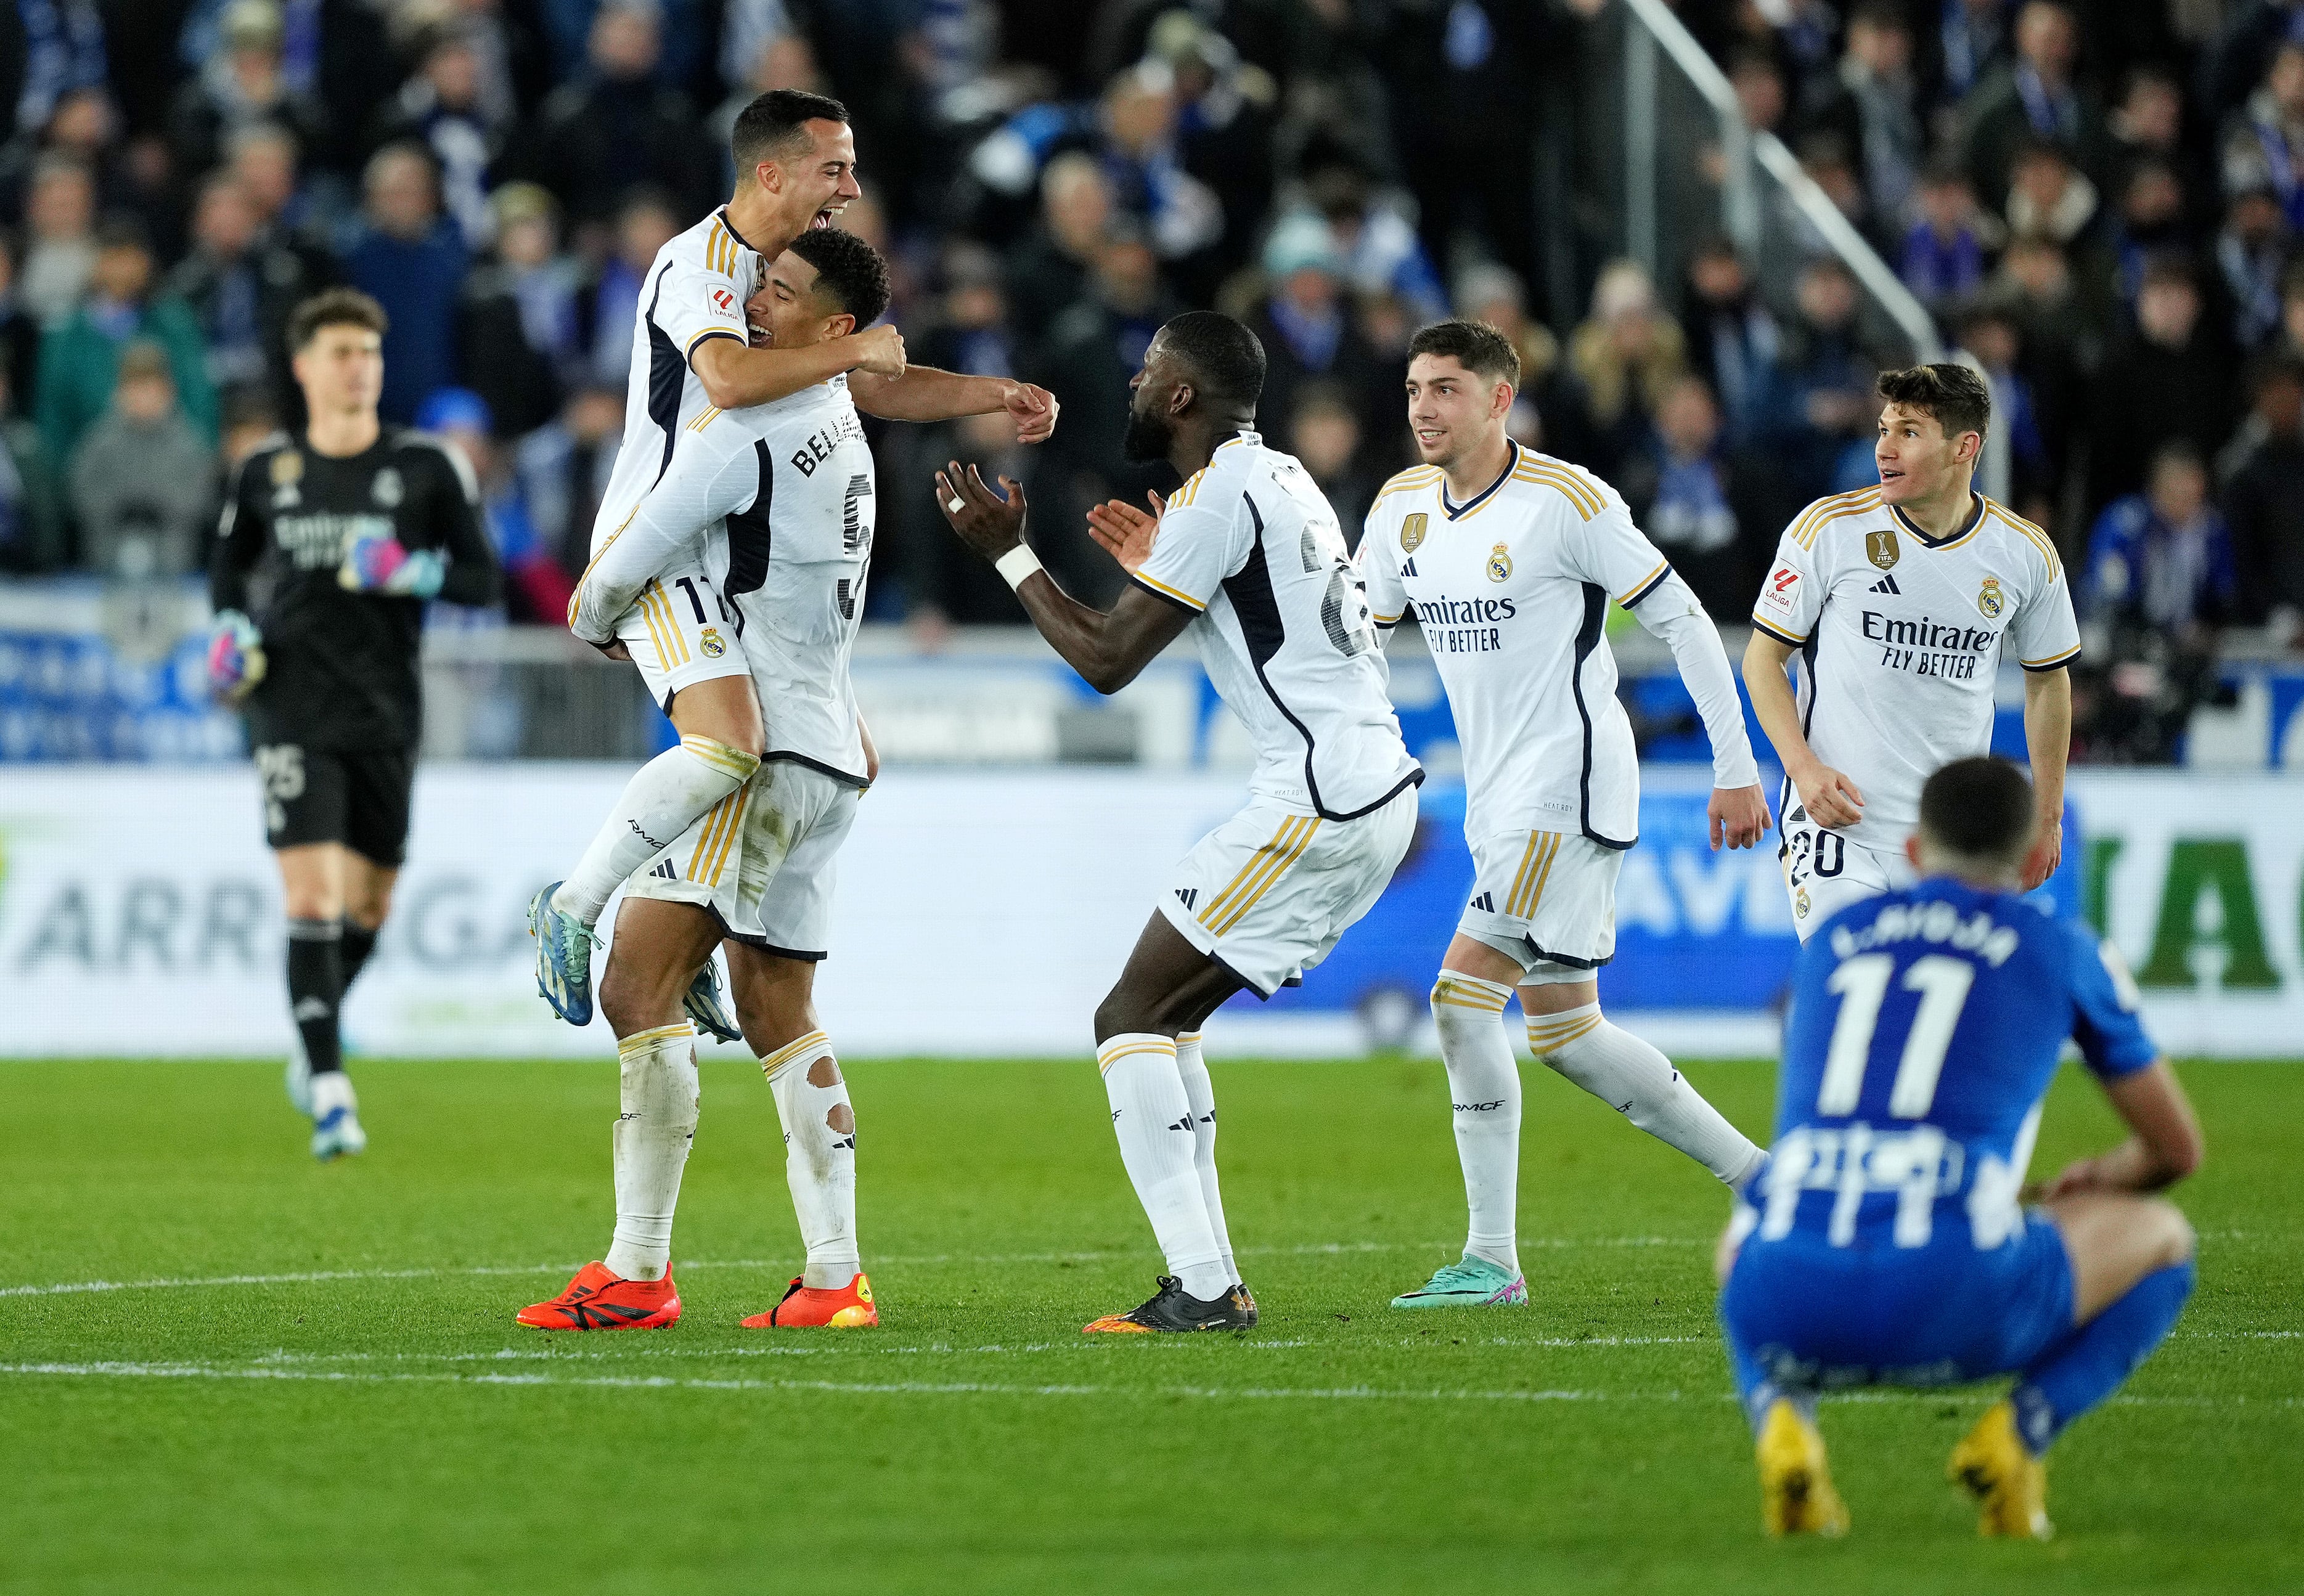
1511	588
1251	549
1900	637
694	292
781	495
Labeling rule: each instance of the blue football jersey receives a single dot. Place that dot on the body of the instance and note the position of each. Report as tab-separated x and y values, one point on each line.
1926	1026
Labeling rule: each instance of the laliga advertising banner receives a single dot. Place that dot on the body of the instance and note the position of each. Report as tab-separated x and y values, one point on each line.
986	913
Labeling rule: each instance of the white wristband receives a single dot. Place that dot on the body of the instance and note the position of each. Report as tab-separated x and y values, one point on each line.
1016	564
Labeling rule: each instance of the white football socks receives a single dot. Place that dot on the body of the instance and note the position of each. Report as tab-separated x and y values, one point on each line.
1153	1118
1200	1096
662	800
1639	1083
660	1092
819	1156
1483	1089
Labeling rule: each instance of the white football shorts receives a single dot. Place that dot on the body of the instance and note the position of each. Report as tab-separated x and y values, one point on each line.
1269	892
762	860
679	631
1547	901
1824	872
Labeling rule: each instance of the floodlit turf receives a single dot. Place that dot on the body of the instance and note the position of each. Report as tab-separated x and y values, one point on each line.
308	1379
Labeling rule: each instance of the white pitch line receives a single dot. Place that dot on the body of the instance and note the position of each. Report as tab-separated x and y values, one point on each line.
1315	1249
912	1387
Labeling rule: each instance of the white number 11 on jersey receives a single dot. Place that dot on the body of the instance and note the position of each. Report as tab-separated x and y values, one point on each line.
1861	984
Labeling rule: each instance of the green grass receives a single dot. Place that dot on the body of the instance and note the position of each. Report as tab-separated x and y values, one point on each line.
391	1434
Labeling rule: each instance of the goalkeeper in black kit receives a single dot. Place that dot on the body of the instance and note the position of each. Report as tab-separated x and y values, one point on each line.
330	546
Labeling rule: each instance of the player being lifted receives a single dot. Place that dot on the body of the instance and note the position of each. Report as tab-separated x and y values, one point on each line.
1884	1244
782	498
330	547
1508	558
692	360
1900	601
1247	556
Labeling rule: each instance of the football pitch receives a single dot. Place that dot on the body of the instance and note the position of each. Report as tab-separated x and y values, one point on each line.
223	1367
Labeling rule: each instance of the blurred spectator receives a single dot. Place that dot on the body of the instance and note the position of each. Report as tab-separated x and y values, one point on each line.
2050	197
2266	145
2034	97
1943	254
646	224
265	158
2251	254
19	331
1494	294
242	84
1685	496
2263	502
1989	333
1181	214
536	586
143	481
1380	250
1049	267
1971	43
2170	380
1731	335
2152	220
80	358
62	49
1820	395
1310	334
572	29
1325	435
2292	311
520	332
1624	359
564	466
2148	126
1876	109
1759	85
59	209
615	129
240	287
250	421
443	108
409	258
2160	581
32	506
1223	126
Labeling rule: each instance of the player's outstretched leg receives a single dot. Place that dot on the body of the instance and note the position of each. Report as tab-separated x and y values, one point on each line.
1484	1094
1634	1079
2132	1272
819	1125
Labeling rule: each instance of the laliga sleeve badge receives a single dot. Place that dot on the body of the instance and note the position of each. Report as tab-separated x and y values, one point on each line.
723	302
1500	564
1989	600
711	644
1411	532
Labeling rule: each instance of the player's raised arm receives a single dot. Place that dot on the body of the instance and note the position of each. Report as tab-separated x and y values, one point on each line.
1109	649
706	479
925	393
735	374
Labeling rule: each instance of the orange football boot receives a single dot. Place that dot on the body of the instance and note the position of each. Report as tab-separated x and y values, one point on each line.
598	1300
828	1307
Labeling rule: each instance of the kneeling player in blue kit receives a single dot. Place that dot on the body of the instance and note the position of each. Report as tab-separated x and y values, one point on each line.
1885	1243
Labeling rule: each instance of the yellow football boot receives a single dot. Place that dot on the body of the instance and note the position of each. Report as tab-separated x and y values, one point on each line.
2008	1482
1796	1493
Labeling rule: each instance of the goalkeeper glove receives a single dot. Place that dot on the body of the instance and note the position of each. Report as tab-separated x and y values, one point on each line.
235	657
382	564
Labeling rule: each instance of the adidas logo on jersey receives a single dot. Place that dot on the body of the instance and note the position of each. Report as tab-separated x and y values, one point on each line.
1408	568
1183	1124
1485	903
1886	585
665	872
1189	897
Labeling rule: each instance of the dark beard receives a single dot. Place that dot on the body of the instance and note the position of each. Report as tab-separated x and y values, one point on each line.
1147	437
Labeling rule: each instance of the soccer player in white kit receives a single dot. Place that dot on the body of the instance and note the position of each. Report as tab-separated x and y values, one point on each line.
755	869
1899	603
692	360
1508	560
1247	557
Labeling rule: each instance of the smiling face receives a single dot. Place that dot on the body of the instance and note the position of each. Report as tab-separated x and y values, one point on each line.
787	313
1916	459
813	184
1453	411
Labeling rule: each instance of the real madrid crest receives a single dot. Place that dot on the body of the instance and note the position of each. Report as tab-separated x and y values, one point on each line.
711	644
1499	564
1988	599
1799	904
1411	532
387	489
1880	547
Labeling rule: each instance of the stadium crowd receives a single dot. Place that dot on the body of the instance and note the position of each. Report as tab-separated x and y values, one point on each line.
2099	203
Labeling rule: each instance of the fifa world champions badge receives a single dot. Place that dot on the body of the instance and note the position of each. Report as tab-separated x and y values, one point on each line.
1411	532
1989	600
1880	547
1499	564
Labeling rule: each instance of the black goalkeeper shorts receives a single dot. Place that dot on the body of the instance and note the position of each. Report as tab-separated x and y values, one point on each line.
319	795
